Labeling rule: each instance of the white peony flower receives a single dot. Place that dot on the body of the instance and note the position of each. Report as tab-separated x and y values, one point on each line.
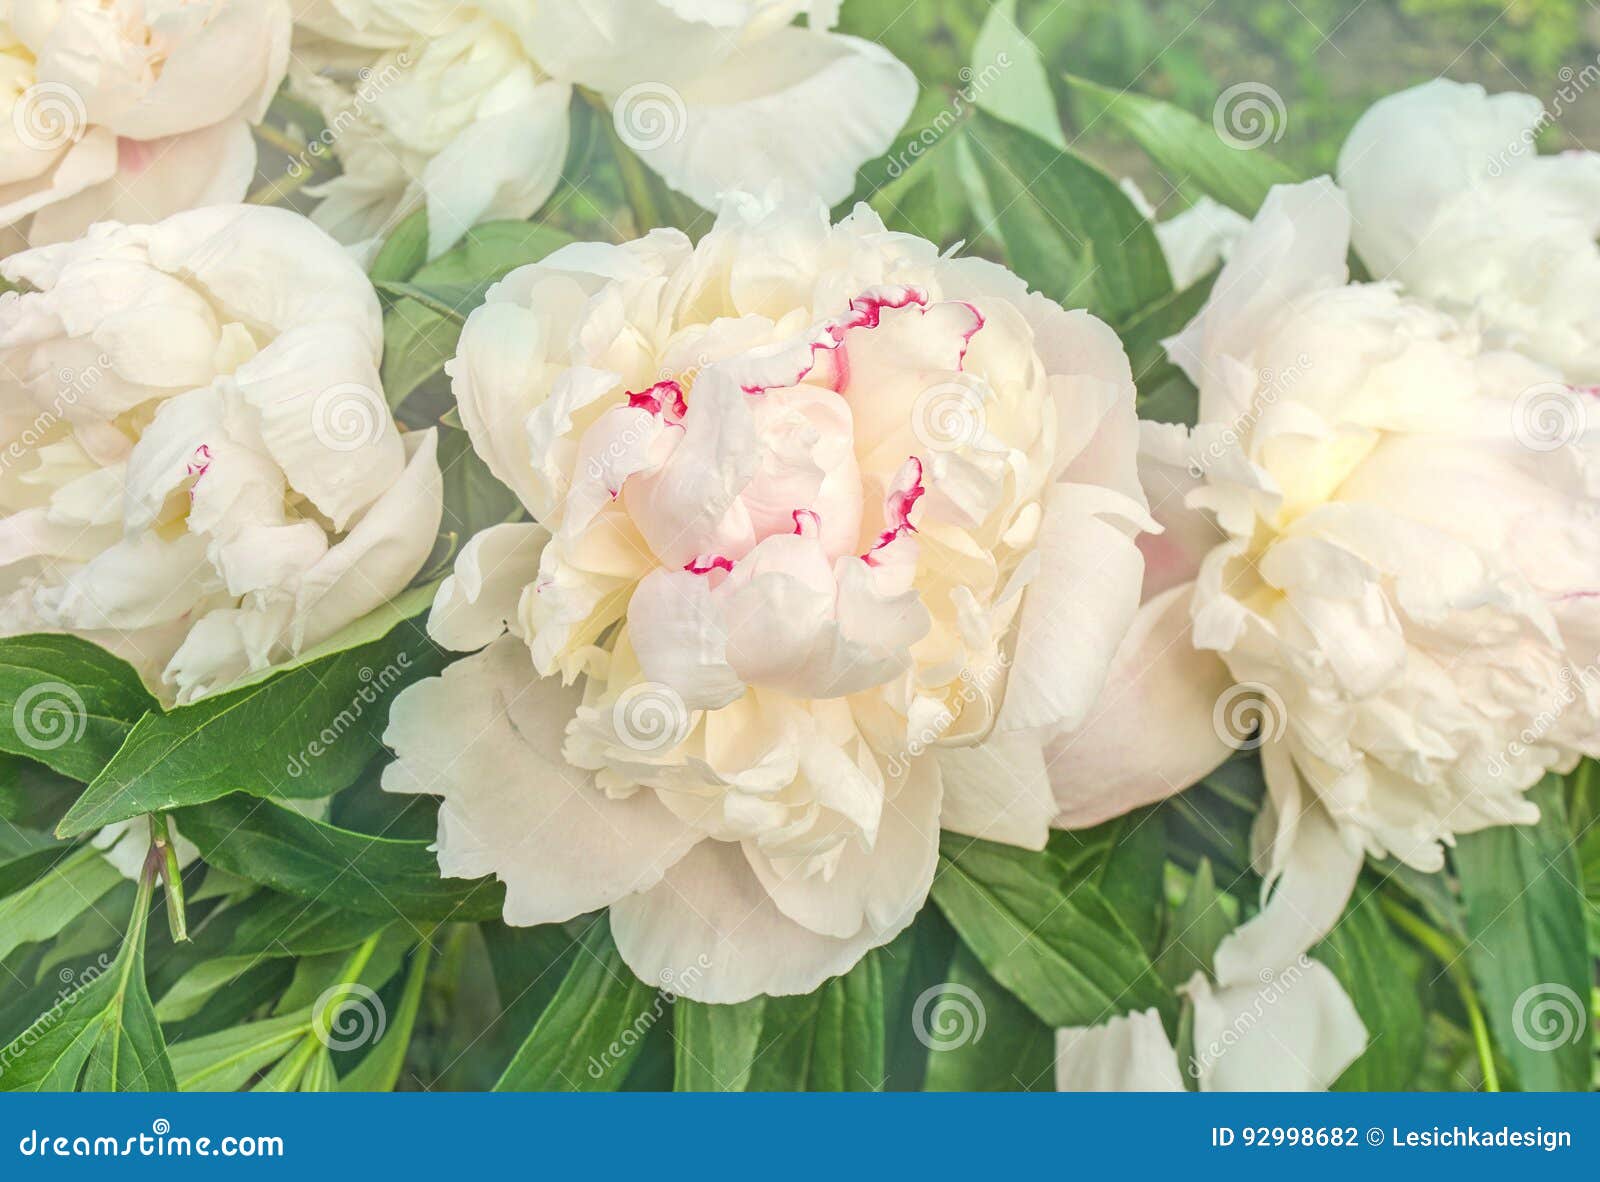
198	468
131	110
1293	1030
831	531
1368	554
1451	197
463	107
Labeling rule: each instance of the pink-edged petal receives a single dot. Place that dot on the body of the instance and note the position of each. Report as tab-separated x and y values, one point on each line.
486	736
1151	734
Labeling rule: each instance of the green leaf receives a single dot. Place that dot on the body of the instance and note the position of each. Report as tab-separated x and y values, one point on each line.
423	325
380	1070
830	1040
103	1037
1045	934
1067	228
981	1038
229	1059
404	251
1008	79
593	1028
1207	915
277	847
67	703
474	498
69	885
1379	971
268	927
1191	152
1528	949
306	732
1165	394
716	1044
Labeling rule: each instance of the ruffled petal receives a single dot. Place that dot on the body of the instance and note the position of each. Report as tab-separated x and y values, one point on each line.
486	736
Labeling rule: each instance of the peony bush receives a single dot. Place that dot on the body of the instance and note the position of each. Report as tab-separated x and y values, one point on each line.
666	544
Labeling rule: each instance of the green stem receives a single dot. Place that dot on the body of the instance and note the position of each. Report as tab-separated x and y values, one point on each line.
286	185
172	877
1447	953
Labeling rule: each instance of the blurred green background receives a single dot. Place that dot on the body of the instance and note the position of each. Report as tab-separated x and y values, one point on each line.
1328	59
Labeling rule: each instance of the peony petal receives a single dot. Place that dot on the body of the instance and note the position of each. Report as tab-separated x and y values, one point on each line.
870	889
998	790
798	108
710	931
478	601
486	736
1291	1031
1151	734
1130	1053
1074	613
503	165
1319	874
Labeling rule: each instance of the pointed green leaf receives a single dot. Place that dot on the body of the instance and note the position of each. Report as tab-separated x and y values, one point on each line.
1045	934
1191	152
1068	229
306	731
278	847
1522	888
594	1027
67	703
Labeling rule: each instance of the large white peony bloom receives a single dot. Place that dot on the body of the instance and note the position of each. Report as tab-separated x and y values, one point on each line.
831	532
131	110
1369	553
463	107
1451	197
198	469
